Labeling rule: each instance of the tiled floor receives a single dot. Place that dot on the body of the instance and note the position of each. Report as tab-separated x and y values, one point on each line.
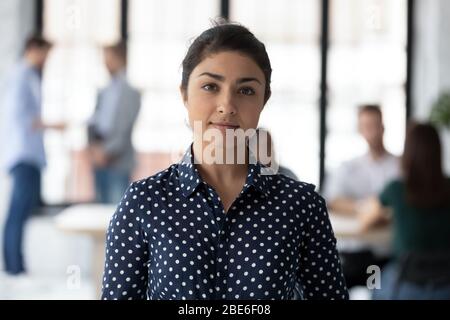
50	256
44	288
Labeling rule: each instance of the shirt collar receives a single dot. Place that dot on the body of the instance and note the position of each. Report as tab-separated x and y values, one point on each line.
256	176
190	178
27	65
118	77
385	157
188	174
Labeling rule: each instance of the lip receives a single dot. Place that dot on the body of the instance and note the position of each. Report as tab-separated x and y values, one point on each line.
224	125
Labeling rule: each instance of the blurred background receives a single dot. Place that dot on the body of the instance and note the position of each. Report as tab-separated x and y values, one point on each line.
328	58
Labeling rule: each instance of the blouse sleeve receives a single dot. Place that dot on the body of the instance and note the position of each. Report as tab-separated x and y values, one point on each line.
320	274
125	274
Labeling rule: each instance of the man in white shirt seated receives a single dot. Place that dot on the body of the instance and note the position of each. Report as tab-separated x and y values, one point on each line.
348	190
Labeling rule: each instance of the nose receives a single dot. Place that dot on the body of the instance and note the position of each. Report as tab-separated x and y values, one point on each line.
226	104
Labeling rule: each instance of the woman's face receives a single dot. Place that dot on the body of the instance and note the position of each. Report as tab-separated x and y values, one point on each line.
225	91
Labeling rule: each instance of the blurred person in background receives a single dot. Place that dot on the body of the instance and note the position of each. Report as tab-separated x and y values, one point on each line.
110	128
263	135
419	206
24	155
349	189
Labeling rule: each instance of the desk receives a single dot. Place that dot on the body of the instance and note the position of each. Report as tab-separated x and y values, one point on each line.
91	220
347	229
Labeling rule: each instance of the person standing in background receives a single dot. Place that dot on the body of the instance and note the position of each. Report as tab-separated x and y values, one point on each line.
110	128
24	155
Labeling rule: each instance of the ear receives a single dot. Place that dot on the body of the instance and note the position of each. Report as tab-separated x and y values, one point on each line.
183	93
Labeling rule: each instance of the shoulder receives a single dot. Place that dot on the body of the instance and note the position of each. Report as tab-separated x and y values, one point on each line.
392	161
281	178
155	183
394	186
291	189
128	89
140	194
20	76
287	172
348	166
302	199
392	192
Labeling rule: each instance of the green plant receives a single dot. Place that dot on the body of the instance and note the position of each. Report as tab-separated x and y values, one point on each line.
440	111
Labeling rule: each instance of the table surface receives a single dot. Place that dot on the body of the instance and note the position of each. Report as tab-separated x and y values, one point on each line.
85	218
348	234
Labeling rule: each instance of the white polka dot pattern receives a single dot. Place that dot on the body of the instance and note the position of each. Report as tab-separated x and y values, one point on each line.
171	239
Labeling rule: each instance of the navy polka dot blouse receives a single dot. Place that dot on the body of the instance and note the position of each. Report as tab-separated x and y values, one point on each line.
171	239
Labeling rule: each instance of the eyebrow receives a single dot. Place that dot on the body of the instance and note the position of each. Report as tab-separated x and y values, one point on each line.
222	78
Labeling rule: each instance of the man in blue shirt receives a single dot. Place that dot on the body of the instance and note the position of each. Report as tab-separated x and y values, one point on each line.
110	128
24	155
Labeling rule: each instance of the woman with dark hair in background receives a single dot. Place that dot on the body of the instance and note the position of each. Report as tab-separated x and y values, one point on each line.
420	206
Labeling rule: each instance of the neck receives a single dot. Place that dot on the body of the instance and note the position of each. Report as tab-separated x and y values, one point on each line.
214	173
377	152
31	62
117	72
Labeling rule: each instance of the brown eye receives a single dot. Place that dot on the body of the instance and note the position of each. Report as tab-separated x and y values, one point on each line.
247	91
210	87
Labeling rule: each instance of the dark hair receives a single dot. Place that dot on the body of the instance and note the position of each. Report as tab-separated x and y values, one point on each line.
119	49
426	185
370	108
37	41
225	36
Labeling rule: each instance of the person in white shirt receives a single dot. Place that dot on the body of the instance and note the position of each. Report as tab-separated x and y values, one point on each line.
349	190
360	178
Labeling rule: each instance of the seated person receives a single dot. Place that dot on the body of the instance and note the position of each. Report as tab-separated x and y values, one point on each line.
420	207
356	181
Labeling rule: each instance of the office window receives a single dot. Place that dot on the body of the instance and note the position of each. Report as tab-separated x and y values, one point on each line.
367	64
159	35
73	74
290	29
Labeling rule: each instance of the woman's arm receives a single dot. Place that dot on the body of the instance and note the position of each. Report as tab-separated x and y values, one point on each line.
372	215
320	273
126	266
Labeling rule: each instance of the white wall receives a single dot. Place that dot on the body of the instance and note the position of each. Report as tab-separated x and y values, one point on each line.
431	61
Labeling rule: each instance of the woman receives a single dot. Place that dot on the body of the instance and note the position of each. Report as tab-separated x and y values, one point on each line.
420	206
206	229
